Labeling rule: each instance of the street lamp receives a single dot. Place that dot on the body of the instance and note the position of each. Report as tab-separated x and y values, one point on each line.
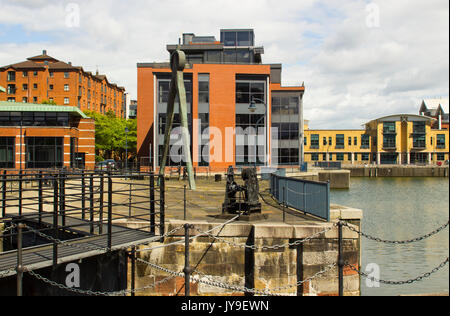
252	108
126	148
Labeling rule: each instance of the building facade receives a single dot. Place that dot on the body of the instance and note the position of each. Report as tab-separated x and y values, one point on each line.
39	137
437	109
396	139
234	104
45	79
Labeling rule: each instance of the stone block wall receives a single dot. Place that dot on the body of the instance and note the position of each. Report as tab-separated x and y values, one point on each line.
228	262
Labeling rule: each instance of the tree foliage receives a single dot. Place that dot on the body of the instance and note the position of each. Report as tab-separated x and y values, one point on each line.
111	140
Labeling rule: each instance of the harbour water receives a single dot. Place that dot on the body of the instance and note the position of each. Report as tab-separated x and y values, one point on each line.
402	209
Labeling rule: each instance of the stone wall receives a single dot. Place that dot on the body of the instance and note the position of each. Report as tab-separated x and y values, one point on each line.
228	262
398	171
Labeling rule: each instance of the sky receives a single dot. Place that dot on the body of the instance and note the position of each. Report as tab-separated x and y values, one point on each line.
359	59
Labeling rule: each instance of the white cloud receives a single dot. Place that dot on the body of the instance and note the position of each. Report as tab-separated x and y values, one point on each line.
353	73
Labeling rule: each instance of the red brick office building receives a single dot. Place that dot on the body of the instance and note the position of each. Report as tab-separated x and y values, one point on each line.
223	79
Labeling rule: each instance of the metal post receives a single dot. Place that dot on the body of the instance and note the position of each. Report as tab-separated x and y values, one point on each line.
55	222
152	203
4	194
133	270
300	270
62	200
110	188
20	269
129	202
101	202
185	202
162	202
91	203
20	192
40	198
284	204
187	269
83	196
340	261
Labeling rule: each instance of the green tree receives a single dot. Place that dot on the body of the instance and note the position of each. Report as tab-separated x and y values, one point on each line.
111	138
48	102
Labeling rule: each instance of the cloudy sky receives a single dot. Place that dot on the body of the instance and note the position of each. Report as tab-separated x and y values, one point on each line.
359	59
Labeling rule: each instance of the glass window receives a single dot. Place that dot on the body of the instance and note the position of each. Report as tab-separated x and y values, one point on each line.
365	141
314	141
243	38
389	141
389	128
163	91
243	56
229	38
440	141
419	141
44	152
66	75
229	56
7	152
340	141
11	76
203	89
419	127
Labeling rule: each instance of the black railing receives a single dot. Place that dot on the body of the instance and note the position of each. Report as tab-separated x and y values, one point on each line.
57	207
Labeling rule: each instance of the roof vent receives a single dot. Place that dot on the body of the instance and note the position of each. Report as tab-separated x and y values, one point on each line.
70	63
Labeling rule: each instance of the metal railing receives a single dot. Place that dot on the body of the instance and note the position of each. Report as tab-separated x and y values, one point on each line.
69	209
309	197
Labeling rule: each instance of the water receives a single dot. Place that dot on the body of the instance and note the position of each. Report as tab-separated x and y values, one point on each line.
401	209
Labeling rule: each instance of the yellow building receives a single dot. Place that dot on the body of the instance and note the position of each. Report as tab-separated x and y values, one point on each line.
346	146
394	139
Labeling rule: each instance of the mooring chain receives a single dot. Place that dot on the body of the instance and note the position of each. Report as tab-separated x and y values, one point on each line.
95	293
403	242
66	243
411	281
275	247
7	229
6	273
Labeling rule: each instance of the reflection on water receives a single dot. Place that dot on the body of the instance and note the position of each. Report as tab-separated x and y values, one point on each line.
401	209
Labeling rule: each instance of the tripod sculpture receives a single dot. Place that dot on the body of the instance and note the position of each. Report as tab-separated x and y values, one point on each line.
177	88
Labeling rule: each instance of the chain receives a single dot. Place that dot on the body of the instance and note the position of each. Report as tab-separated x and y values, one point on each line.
94	293
397	242
66	243
275	247
8	229
6	272
411	281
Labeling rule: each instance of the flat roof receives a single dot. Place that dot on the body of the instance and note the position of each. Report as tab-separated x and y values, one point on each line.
6	106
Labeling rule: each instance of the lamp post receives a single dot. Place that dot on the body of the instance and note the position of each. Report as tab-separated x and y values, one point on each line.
126	148
252	108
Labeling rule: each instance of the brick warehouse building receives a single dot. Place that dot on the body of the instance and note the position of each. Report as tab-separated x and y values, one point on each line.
37	137
223	79
44	78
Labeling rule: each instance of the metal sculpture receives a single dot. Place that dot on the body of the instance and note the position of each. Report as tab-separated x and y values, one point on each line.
248	201
177	64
